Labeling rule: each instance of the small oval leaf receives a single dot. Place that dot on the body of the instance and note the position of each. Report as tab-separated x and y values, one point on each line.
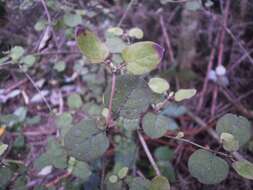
244	168
91	46
142	57
158	85
135	33
183	94
229	142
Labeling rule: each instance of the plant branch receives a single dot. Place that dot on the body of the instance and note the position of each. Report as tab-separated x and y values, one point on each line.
126	12
198	145
38	90
148	153
109	117
167	40
211	132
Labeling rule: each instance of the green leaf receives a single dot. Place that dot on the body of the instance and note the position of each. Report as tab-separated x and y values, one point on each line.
3	148
159	182
238	126
183	94
142	57
81	170
16	53
64	122
65	119
135	33
126	153
28	60
113	179
123	172
158	85
116	31
74	101
91	46
40	25
139	183
20	183
244	168
85	141
167	170
130	124
193	5
207	168
21	113
5	176
229	142
132	97
174	110
115	44
60	66
72	20
155	125
163	153
55	155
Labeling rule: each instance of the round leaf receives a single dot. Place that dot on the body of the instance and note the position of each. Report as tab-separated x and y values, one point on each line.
29	60
183	94
135	33
193	5
207	168
85	141
159	182
154	125
244	168
74	101
81	170
17	52
158	85
163	153
113	179
91	46
238	126
229	142
139	183
72	20
131	98
115	44
123	172
142	57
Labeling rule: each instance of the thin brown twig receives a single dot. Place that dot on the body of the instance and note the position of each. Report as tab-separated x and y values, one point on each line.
198	145
167	40
58	179
38	90
220	56
204	88
126	12
49	19
244	111
148	153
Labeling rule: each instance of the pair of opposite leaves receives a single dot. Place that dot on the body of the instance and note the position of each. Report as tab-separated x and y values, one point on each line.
140	57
